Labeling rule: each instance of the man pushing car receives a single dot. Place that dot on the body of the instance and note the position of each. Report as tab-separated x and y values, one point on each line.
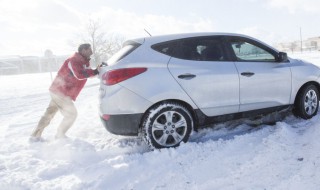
64	90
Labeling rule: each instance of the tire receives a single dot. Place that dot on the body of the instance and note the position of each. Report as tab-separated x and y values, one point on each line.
307	102
167	125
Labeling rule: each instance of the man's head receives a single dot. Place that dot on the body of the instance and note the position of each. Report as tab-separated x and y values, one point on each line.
85	50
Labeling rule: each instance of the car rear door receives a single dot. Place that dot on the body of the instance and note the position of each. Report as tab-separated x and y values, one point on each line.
201	67
264	82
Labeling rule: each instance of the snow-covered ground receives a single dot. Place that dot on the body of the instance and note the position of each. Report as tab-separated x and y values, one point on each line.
234	155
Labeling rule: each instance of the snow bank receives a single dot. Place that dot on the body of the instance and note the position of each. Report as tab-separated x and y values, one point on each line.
234	155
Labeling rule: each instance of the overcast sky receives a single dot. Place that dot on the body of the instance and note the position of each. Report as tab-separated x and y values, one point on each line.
29	27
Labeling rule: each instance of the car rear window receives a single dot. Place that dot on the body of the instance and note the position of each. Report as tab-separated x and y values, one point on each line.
166	47
127	48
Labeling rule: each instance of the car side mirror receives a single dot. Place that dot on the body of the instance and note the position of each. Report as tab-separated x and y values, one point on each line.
282	57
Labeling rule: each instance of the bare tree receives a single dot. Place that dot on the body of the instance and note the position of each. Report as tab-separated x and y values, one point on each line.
293	46
281	46
103	45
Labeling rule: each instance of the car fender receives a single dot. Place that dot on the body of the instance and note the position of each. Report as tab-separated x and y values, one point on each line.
302	73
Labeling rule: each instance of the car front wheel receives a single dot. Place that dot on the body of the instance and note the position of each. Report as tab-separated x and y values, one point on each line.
307	103
167	125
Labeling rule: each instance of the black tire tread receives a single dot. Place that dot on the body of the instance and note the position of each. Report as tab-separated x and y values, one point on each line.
299	103
146	118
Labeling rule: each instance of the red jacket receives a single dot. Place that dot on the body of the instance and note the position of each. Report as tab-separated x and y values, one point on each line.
72	76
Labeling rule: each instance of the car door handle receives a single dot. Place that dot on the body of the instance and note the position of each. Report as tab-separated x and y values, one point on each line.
186	76
247	74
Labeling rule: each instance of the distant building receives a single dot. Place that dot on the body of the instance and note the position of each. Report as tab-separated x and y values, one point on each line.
311	44
314	43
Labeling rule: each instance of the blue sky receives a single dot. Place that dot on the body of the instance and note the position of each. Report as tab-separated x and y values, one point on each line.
30	27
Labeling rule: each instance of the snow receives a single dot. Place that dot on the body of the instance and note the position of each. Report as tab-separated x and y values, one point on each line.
242	154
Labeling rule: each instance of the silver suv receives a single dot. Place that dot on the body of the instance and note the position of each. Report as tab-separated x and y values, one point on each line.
164	87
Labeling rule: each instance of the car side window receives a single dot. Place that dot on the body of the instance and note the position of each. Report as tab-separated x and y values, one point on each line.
246	51
211	51
182	49
198	48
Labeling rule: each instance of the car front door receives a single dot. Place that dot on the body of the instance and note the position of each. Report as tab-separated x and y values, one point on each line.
203	70
264	82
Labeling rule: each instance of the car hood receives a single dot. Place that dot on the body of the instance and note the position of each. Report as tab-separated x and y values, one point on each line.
302	62
315	69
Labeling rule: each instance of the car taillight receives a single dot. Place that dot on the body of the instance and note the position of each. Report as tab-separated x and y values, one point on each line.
106	117
115	76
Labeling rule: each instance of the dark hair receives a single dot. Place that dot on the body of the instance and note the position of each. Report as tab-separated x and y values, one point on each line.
83	46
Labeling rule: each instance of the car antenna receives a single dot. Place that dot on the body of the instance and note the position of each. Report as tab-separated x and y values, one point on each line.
147	32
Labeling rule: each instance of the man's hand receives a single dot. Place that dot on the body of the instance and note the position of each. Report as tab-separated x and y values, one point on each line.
96	71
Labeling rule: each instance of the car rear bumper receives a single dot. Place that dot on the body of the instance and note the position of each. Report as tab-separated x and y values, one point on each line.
124	124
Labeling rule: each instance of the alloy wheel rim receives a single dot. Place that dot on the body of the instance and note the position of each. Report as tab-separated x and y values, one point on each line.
310	102
169	128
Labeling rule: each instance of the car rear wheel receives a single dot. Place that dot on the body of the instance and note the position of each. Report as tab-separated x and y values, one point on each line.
167	125
307	103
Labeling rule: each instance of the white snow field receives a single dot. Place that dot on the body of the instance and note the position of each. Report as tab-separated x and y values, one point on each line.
241	154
